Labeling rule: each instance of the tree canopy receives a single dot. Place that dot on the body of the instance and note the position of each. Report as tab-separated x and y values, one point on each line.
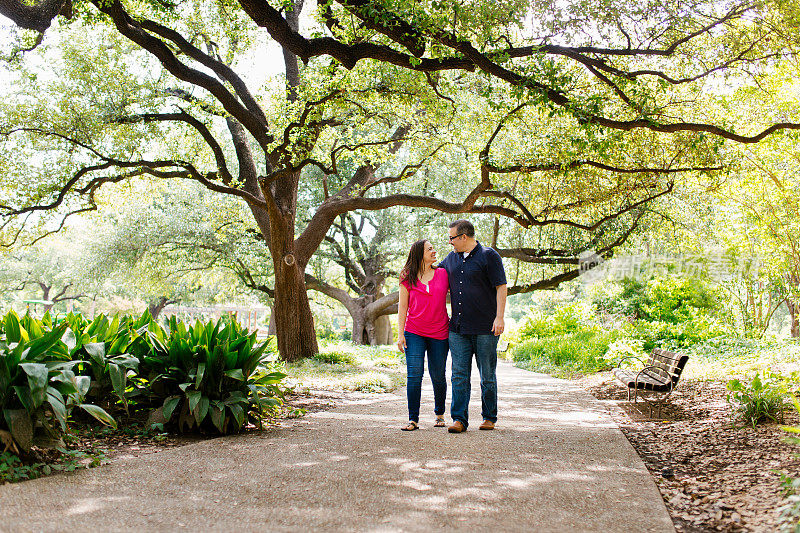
568	120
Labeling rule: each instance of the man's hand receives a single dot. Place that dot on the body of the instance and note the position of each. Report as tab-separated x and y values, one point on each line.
498	326
401	343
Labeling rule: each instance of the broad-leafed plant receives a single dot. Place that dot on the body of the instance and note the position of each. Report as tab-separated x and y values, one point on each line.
38	387
210	375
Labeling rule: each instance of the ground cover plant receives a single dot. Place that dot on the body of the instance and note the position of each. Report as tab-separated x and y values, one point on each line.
342	366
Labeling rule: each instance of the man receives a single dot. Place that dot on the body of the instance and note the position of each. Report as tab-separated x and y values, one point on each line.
478	302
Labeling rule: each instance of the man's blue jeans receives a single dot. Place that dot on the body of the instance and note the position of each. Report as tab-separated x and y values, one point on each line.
416	347
484	348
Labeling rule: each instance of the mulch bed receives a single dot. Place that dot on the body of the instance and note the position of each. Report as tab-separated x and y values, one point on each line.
713	476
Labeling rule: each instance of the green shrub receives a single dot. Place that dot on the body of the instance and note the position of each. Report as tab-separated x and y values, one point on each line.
38	387
104	348
582	351
211	375
565	319
622	348
676	335
670	299
335	357
763	398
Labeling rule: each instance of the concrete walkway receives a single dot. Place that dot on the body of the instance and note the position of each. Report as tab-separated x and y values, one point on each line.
556	462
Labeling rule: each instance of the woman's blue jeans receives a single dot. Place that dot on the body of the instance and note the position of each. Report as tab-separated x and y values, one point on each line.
416	347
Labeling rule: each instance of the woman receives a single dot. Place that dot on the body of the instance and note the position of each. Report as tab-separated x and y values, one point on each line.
423	328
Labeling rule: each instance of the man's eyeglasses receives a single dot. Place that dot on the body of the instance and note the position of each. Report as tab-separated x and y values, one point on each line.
456	236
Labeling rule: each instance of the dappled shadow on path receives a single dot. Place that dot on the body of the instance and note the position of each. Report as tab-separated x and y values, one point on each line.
555	463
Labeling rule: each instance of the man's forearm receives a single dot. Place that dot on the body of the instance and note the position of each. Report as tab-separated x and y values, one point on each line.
502	294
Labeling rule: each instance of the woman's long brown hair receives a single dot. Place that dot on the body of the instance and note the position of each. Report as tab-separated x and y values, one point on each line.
410	272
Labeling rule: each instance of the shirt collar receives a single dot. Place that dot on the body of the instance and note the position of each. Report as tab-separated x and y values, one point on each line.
464	255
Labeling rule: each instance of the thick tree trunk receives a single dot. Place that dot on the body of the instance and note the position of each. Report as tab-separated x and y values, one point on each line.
794	315
155	307
294	323
371	331
383	330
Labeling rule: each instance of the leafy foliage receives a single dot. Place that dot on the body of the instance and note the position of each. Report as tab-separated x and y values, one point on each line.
668	299
210	375
580	351
38	387
763	398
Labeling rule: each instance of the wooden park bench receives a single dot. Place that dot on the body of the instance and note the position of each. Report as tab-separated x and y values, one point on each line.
656	379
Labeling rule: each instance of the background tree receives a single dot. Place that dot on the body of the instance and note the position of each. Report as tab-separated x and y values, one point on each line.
52	271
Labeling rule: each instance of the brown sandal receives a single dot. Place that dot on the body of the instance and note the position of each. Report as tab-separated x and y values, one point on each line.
410	427
439	422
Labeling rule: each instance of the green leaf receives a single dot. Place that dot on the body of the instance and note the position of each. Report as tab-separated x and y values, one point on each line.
118	379
202	409
82	384
169	406
201	370
236	397
47	341
271	379
100	414
218	415
236	373
56	401
24	397
97	351
12	327
238	414
194	398
69	339
37	381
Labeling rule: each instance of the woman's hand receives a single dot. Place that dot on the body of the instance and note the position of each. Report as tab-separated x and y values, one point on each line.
401	343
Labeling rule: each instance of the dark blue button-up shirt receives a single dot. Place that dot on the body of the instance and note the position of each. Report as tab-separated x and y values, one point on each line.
473	289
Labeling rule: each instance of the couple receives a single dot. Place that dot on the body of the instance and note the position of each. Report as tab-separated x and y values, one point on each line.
475	277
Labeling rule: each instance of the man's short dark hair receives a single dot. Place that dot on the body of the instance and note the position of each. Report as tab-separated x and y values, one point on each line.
464	227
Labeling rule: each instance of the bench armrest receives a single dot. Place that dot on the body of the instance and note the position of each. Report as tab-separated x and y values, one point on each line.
619	365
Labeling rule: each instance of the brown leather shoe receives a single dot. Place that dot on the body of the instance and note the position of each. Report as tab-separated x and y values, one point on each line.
487	424
457	427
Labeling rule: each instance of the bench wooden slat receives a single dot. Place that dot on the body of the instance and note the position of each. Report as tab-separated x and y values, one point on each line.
668	367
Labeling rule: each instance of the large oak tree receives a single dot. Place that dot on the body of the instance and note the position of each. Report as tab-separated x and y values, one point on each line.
568	118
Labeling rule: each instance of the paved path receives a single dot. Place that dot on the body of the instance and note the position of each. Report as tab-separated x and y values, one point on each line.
555	463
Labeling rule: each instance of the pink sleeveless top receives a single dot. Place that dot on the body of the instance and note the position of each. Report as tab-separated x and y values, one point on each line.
427	309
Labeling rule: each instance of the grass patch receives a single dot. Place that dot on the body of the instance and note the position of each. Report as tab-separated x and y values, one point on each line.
341	366
565	355
725	357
